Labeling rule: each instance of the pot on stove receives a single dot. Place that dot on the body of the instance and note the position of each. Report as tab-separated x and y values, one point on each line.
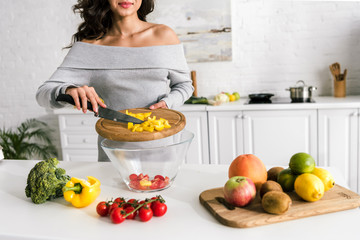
301	92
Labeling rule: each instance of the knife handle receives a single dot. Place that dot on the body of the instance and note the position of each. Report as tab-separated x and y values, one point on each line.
69	99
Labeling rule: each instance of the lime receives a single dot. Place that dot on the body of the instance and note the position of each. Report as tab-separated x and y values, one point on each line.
286	179
309	187
302	163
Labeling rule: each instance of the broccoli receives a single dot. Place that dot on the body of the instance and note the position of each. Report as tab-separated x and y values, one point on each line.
45	181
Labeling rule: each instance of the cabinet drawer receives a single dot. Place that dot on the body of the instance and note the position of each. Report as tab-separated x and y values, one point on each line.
78	155
78	140
83	122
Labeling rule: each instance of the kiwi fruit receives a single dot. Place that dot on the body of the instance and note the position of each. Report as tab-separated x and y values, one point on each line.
276	202
269	186
273	173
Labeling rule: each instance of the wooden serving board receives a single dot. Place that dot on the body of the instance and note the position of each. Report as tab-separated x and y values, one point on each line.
336	199
118	131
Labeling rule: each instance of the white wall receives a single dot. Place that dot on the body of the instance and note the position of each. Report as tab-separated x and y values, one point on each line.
275	43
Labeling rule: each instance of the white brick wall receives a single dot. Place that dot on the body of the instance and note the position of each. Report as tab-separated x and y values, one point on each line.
275	43
32	35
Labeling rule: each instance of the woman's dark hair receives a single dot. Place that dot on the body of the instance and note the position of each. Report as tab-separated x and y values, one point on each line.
97	17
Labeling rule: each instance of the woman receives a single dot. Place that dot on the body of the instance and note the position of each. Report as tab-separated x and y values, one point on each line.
117	56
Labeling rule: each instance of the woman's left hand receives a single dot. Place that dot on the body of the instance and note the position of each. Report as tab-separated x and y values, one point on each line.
160	104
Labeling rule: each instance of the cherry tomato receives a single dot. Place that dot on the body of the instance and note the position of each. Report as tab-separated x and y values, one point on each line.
119	200
145	214
134	184
133	177
130	209
146	205
113	206
159	177
158	208
142	177
131	203
102	208
117	215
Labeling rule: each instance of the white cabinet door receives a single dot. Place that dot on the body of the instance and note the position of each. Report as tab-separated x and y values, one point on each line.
225	136
78	137
80	155
338	142
196	122
274	136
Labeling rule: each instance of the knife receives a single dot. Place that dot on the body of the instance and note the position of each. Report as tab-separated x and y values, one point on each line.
102	112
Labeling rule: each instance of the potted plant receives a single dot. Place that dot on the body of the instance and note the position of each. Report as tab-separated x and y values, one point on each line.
30	140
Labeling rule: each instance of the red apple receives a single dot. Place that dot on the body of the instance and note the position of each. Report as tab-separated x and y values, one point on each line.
239	191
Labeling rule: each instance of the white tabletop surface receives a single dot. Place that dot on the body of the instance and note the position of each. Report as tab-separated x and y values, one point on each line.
186	217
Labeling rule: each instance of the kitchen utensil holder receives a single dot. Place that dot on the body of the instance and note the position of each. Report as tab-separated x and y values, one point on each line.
340	88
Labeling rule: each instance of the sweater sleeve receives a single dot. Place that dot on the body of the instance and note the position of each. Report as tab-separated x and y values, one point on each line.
58	83
181	88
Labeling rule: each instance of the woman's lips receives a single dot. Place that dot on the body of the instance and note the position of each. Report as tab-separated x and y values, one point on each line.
126	4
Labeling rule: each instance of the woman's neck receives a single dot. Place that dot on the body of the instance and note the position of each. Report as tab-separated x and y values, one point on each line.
126	26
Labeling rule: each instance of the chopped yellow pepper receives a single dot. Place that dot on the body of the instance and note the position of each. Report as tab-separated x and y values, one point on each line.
145	183
150	123
81	193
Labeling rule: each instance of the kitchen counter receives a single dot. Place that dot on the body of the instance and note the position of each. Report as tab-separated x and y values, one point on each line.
186	217
323	102
320	103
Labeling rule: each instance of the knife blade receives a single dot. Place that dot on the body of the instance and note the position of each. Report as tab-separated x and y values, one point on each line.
102	112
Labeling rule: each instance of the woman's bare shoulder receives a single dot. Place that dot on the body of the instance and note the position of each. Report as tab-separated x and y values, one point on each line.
165	34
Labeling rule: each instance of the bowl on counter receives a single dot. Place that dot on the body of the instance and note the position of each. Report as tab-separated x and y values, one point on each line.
149	166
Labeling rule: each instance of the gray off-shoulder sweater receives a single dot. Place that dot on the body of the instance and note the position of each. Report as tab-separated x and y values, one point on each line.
125	77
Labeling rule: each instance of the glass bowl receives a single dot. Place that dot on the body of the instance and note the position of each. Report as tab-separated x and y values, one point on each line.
149	166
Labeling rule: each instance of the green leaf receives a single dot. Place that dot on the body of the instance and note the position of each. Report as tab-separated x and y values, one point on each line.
31	139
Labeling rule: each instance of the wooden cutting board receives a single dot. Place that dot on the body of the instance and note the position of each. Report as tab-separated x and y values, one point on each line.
118	131
336	199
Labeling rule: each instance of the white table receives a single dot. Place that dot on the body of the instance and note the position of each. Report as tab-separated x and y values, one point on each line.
186	217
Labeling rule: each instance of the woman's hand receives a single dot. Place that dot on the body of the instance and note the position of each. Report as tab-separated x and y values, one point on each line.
160	104
84	94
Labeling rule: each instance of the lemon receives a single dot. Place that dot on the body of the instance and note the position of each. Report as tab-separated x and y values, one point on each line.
286	178
309	187
232	98
325	176
302	163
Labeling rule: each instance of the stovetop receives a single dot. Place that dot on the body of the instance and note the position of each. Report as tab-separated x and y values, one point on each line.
276	101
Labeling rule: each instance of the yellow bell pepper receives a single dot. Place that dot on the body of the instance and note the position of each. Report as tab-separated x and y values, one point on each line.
150	123
81	193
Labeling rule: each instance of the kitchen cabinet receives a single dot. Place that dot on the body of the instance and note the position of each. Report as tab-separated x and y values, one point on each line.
274	136
78	137
196	122
339	142
225	136
328	129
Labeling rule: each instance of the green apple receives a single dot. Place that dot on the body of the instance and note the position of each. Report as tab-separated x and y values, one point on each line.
237	95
